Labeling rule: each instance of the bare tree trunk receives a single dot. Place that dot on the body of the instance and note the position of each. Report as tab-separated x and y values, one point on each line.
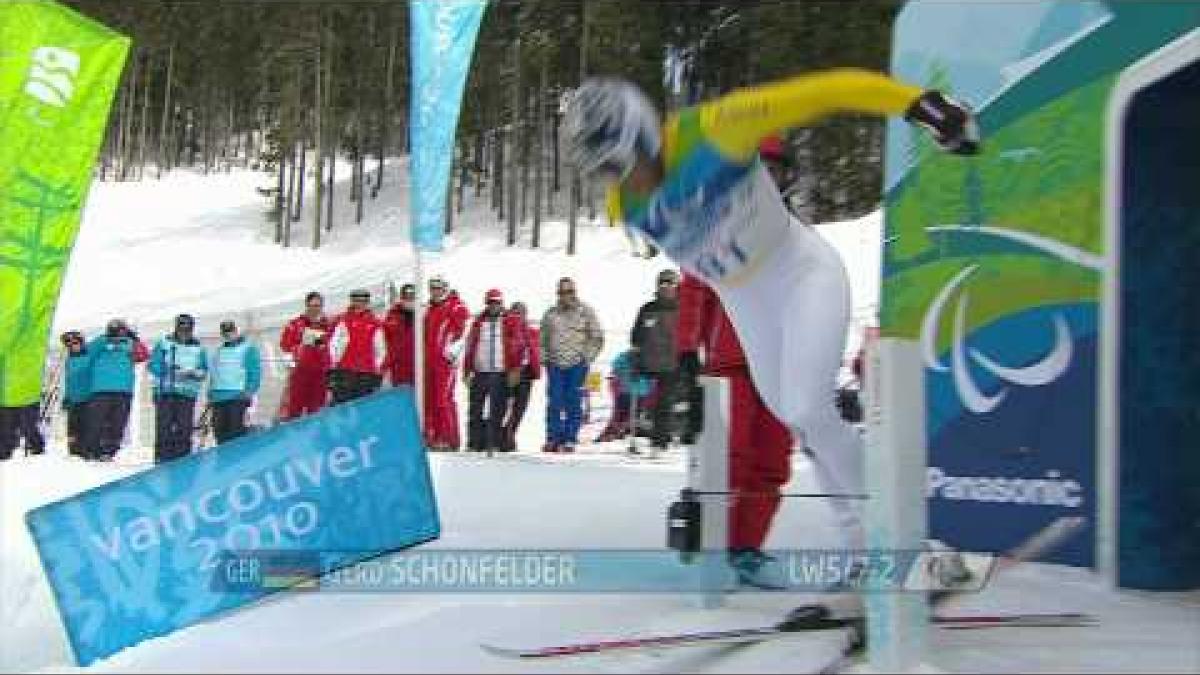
526	158
280	204
576	182
298	205
318	157
515	134
189	135
385	115
289	204
230	138
127	105
463	166
208	126
479	164
329	193
163	125
329	130
360	165
498	183
144	129
449	227
538	158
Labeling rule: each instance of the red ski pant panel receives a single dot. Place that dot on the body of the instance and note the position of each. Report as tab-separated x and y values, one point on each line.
760	448
307	392
441	411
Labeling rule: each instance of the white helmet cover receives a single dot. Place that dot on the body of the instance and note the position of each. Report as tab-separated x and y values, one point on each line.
608	123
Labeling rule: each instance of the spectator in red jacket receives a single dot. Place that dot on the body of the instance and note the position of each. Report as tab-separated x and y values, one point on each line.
357	349
529	364
399	331
489	363
445	323
759	444
306	339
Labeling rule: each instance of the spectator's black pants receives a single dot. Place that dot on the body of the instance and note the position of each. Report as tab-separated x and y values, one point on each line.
29	426
107	415
78	439
490	389
174	421
229	419
664	402
347	385
518	402
8	432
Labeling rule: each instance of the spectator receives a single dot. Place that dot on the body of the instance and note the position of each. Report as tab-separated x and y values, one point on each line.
445	323
179	364
759	444
113	357
652	343
29	428
236	376
571	340
529	362
357	349
623	383
306	340
400	334
17	422
77	389
489	365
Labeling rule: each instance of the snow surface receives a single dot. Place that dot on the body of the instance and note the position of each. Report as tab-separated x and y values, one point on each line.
203	245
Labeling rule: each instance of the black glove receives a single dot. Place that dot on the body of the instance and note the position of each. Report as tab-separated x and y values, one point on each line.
689	365
951	124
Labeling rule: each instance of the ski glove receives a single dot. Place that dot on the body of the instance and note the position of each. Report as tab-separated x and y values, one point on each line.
951	123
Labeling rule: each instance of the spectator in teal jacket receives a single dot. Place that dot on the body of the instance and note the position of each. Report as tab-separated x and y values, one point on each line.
233	383
179	364
77	389
112	358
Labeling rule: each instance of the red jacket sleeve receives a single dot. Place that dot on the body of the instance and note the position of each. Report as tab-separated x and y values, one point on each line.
535	351
694	311
289	339
140	353
516	341
472	347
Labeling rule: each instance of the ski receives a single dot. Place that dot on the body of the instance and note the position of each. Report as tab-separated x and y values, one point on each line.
784	629
1043	541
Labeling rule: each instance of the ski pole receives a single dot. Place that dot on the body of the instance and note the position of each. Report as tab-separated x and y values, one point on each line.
797	495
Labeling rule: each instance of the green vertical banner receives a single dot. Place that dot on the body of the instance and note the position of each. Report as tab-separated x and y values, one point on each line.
58	74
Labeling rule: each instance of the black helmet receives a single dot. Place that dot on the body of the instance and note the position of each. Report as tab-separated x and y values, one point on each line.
116	327
185	322
71	336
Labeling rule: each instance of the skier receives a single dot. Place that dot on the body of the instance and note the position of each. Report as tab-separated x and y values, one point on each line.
113	357
236	376
652	342
446	318
489	364
179	364
306	340
357	350
696	187
399	332
529	364
76	392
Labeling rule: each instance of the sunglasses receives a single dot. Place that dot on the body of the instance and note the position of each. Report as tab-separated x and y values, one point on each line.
566	291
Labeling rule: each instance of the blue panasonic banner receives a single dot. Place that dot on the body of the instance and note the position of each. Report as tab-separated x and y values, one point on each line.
136	558
443	39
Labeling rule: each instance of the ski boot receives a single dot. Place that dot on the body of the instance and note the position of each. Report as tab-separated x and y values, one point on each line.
951	124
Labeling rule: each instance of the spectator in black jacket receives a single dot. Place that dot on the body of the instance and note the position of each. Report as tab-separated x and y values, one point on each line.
653	345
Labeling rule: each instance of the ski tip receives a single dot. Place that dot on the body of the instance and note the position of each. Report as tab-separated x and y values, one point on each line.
502	652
